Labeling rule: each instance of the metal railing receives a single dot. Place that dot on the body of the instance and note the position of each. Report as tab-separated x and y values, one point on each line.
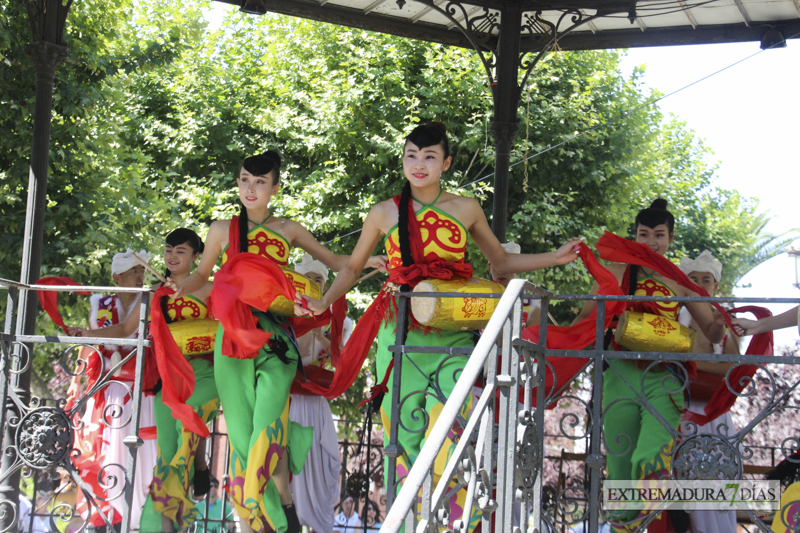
499	464
498	458
38	437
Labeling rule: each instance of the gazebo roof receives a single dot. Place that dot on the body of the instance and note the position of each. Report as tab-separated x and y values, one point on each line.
653	23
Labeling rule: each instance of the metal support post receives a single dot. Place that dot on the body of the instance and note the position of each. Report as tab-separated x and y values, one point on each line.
134	441
505	123
595	459
46	58
394	449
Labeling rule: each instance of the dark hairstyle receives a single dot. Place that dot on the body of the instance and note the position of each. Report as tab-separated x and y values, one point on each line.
258	165
430	134
424	135
656	214
176	238
367	504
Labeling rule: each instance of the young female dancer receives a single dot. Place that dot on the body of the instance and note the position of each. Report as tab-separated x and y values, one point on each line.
254	389
636	440
425	235
181	454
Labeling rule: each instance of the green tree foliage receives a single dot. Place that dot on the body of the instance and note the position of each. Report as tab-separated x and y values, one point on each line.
154	112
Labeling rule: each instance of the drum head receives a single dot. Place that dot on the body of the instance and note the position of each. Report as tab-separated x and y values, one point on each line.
424	309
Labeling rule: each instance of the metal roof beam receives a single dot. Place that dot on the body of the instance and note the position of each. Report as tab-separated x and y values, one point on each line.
635	38
353	18
373	6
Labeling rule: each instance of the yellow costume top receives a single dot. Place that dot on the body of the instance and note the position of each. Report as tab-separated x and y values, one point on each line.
442	236
651	287
186	308
267	243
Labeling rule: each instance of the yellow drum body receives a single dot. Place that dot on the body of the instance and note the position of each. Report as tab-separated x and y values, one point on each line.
302	285
455	314
194	337
643	332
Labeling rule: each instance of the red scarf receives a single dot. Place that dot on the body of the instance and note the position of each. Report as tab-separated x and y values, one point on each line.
351	358
617	249
581	335
248	280
177	375
578	337
49	299
723	399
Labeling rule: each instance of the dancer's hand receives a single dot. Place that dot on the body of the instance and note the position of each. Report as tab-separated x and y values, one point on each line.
77	332
312	307
379	262
170	283
568	252
743	326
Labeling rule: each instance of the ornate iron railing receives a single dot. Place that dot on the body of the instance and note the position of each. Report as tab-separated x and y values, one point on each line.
500	457
38	437
500	464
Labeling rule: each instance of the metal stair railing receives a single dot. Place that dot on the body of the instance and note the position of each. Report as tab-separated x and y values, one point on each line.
54	427
492	477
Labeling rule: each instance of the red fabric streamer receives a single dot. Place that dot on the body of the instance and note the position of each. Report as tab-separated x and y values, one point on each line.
351	358
582	334
723	399
49	299
177	375
614	248
379	391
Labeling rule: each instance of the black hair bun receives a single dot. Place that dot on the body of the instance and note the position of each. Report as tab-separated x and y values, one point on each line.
659	203
273	156
437	125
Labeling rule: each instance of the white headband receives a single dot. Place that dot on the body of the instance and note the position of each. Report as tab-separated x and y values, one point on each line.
309	264
705	262
124	262
511	247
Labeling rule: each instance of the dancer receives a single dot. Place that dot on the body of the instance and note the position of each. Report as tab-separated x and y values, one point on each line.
706	272
425	235
181	461
100	441
316	488
639	444
254	377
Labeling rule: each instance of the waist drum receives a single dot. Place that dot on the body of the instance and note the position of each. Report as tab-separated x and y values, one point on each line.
644	332
454	313
194	337
303	285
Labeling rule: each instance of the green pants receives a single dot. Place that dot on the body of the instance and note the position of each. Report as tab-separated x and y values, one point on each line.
424	378
639	444
174	472
255	401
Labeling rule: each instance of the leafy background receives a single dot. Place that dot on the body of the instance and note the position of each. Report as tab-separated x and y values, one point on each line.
155	110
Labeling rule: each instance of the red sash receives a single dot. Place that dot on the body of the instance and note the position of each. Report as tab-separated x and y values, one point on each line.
723	399
49	299
578	337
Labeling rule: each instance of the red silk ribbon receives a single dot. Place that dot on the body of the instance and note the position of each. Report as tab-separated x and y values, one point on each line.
723	399
581	335
49	299
177	375
614	248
